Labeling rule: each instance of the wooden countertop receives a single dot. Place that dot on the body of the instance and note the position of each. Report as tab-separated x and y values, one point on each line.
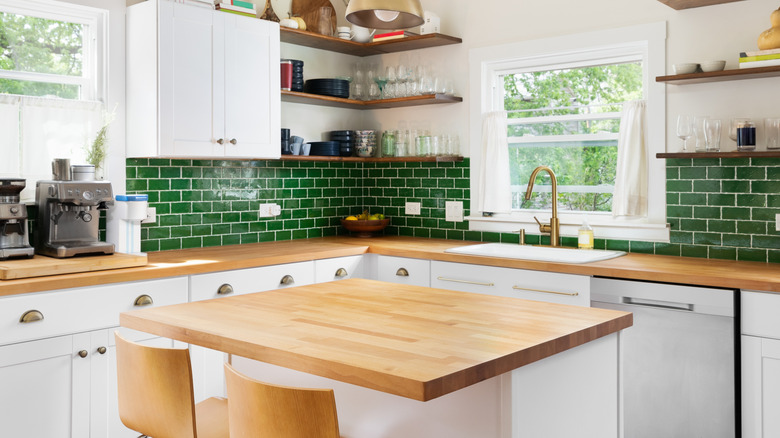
683	270
411	341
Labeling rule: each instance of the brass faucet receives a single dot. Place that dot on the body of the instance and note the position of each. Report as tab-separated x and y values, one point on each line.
554	227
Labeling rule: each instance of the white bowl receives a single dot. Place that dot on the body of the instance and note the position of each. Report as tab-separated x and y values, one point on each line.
685	68
713	66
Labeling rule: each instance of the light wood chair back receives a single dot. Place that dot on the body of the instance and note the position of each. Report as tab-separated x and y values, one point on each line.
258	409
156	397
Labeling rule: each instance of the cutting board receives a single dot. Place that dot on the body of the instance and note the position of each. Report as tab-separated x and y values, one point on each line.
40	266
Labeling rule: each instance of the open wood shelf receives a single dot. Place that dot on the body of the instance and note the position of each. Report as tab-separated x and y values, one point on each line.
334	44
732	154
723	75
337	102
448	159
687	4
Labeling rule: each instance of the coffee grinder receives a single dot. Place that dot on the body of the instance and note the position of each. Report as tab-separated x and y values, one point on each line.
14	240
68	213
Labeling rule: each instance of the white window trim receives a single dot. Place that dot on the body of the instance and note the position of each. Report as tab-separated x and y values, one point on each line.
485	64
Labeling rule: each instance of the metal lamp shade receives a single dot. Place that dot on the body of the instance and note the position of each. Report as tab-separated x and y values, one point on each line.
385	14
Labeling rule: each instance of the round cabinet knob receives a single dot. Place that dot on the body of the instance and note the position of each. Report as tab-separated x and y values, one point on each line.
31	316
402	272
225	289
221	141
341	273
143	300
233	141
83	353
287	280
101	350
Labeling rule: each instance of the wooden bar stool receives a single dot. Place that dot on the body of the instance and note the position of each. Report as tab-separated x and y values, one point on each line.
260	409
156	396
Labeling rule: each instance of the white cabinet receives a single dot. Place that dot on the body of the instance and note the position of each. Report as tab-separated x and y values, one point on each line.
760	364
201	83
516	283
59	368
401	270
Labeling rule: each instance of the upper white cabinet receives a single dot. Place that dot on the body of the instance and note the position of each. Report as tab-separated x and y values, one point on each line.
201	83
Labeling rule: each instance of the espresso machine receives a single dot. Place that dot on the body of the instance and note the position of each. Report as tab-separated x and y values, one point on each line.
69	213
14	240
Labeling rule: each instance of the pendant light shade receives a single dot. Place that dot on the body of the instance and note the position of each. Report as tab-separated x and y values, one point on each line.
385	14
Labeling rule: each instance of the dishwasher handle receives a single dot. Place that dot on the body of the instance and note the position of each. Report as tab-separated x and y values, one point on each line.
658	304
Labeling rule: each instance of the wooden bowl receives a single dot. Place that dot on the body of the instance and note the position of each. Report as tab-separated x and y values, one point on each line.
365	228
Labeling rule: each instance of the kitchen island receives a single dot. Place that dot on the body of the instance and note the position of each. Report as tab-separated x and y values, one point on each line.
413	361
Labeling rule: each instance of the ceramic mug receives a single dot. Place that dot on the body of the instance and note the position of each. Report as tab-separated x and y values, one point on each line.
361	34
295	148
344	32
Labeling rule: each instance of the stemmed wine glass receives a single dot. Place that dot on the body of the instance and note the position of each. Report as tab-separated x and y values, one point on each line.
381	81
684	130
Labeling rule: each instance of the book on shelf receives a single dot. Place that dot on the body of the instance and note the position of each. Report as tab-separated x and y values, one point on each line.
764	63
393	35
228	7
244	14
759	57
242	3
759	53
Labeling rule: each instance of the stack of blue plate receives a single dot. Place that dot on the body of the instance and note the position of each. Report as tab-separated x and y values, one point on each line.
325	148
327	87
346	141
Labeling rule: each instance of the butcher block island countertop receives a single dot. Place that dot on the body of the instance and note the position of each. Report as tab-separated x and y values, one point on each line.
416	342
683	270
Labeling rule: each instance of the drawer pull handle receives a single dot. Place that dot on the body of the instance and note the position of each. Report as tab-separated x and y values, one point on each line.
225	289
341	272
455	280
143	300
102	350
83	354
287	280
233	141
568	294
221	141
31	316
402	272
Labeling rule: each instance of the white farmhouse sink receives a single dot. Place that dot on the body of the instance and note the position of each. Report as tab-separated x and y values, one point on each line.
539	253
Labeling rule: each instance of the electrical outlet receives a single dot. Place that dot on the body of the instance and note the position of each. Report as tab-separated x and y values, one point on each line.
269	210
151	215
412	208
777	222
454	211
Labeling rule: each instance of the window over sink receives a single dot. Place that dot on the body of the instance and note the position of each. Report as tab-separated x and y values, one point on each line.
563	97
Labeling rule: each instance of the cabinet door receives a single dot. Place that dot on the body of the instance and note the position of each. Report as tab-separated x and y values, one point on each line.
760	387
402	270
45	388
188	43
248	78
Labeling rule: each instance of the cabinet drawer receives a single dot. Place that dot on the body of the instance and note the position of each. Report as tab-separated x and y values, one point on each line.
514	283
77	310
759	314
339	268
244	281
403	270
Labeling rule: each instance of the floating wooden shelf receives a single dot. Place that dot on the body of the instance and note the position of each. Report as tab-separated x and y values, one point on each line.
373	160
687	4
337	102
724	75
733	154
333	44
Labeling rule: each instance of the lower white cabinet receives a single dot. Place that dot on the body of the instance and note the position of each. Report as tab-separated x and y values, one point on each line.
338	268
402	270
63	384
760	364
508	282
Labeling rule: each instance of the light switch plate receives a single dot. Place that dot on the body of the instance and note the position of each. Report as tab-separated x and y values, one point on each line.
269	210
412	208
454	211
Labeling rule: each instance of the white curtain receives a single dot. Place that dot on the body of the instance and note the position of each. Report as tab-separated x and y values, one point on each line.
630	198
495	192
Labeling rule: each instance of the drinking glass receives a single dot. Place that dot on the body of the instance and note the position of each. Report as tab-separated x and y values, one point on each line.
772	130
391	85
698	133
374	92
325	23
734	124
684	130
712	135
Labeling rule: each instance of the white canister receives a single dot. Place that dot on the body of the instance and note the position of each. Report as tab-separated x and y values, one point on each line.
123	225
83	172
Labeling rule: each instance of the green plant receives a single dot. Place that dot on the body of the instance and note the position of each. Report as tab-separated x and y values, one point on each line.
96	153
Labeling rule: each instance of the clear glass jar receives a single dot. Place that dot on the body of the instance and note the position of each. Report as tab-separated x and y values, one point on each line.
388	144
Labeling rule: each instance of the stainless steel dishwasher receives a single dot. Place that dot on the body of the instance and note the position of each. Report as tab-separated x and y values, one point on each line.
680	366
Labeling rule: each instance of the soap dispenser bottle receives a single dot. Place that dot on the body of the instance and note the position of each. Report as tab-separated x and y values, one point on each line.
585	236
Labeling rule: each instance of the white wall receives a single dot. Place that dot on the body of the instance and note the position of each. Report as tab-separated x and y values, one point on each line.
699	34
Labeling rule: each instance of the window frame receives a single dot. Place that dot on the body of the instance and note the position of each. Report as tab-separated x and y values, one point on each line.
488	64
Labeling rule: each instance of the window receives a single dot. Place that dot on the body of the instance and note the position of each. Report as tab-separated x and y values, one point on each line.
51	80
563	97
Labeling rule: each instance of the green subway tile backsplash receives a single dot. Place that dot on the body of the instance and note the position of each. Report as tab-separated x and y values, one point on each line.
717	208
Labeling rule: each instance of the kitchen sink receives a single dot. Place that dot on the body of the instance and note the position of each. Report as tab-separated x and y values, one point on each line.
539	253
